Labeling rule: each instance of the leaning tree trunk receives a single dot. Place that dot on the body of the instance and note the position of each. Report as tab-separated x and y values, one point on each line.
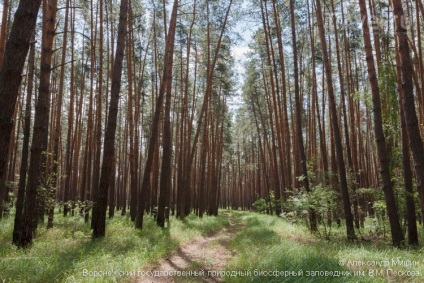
334	121
202	115
411	216
10	75
99	222
167	75
395	228
17	230
408	103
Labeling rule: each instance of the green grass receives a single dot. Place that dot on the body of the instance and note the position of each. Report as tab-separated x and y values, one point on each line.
268	243
262	243
63	253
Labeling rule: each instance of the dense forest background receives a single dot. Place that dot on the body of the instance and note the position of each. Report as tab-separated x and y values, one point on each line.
127	107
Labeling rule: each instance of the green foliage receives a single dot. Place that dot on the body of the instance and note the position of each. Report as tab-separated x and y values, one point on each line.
263	206
378	223
62	253
367	191
380	217
260	205
6	205
320	199
390	110
364	97
271	244
44	198
82	206
389	99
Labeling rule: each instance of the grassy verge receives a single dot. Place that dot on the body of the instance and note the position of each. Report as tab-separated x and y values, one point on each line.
66	253
272	244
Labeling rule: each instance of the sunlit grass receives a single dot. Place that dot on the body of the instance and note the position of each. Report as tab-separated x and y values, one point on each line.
66	253
268	243
263	243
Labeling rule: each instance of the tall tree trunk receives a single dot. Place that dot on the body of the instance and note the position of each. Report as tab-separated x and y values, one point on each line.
408	103
298	118
131	122
184	128
273	113
37	175
202	115
411	217
395	228
95	141
57	128
164	87
17	230
99	223
350	142
69	148
3	33
166	170
86	169
350	230
286	148
10	76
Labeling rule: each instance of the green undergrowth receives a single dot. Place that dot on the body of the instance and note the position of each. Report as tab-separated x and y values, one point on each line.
66	253
267	248
276	247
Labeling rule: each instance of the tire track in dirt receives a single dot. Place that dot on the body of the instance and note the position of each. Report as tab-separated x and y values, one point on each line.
207	253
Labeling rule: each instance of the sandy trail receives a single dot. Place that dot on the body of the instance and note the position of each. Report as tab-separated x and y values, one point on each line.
207	253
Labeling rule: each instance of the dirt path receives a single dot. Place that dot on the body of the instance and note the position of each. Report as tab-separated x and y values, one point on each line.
207	253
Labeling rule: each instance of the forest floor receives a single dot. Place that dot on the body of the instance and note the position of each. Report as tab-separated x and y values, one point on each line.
236	246
202	254
263	248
